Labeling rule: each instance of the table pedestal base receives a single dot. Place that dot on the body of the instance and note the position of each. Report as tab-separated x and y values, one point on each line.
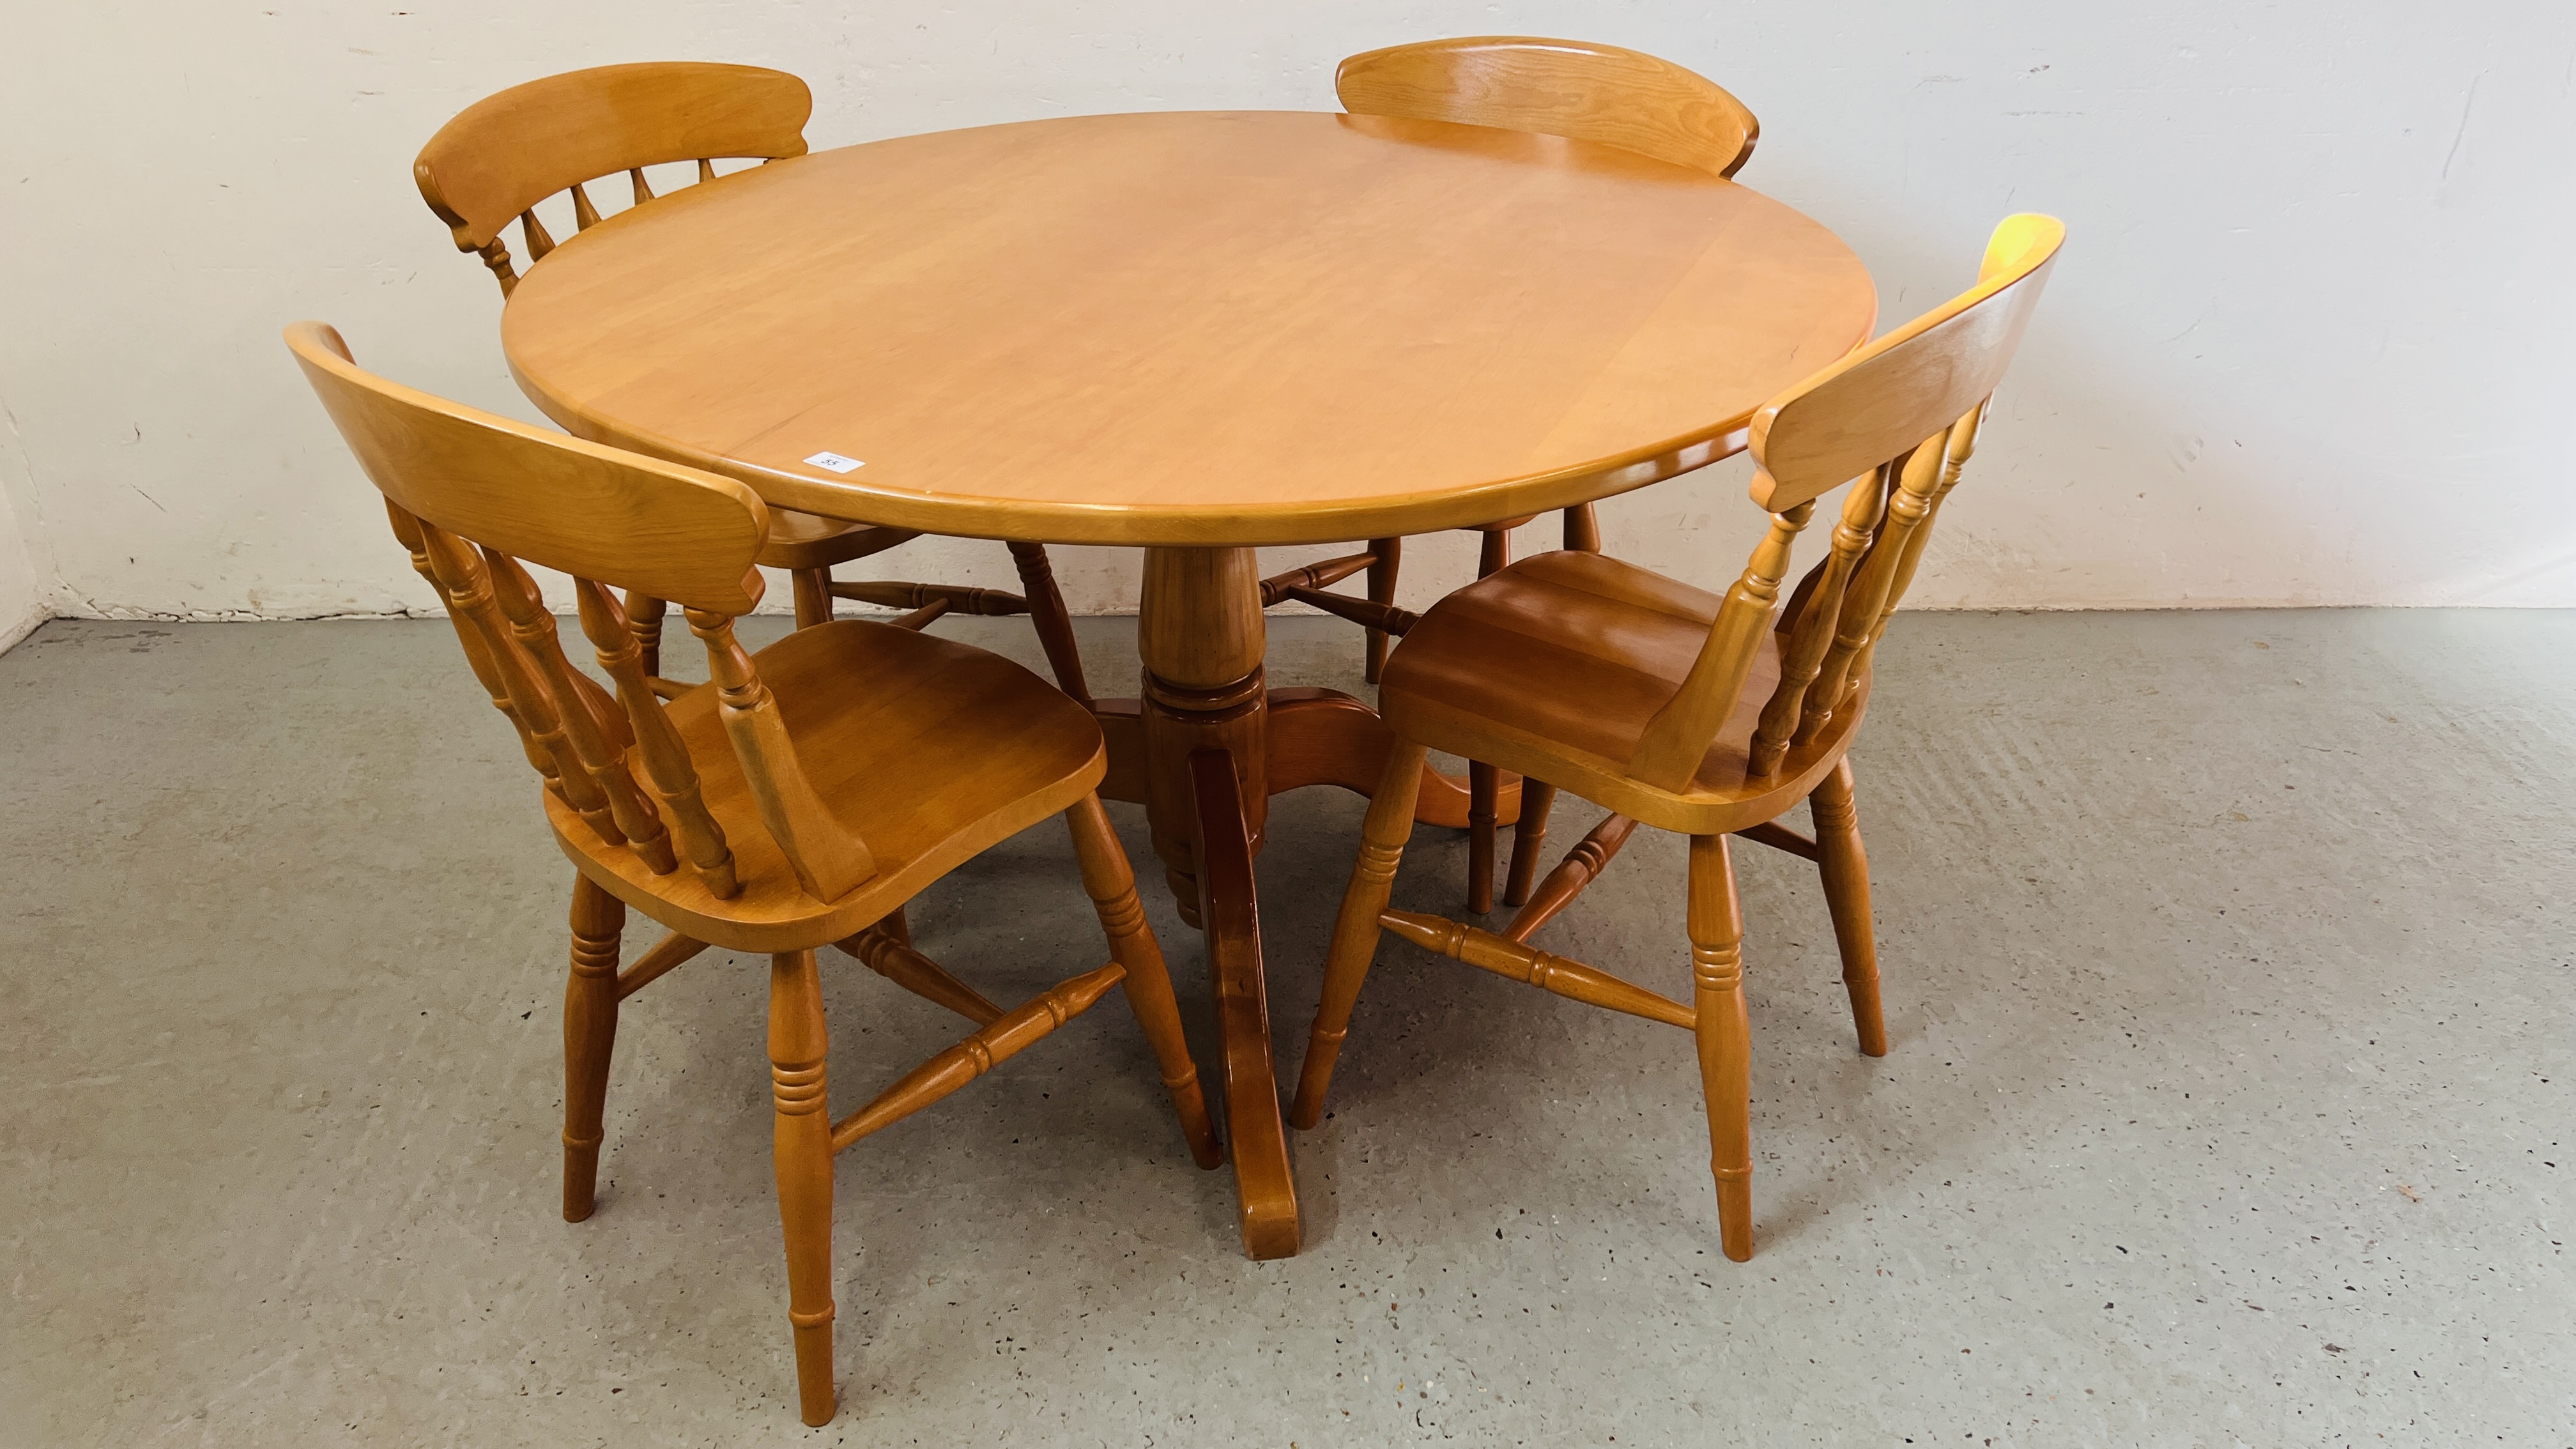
1307	737
1205	749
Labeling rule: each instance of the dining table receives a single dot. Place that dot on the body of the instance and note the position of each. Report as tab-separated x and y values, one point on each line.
1196	334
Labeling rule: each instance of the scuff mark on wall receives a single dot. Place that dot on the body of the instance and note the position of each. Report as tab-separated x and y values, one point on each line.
2468	107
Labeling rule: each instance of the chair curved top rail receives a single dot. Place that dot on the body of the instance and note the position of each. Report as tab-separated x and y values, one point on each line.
1857	413
1573	88
505	153
591	511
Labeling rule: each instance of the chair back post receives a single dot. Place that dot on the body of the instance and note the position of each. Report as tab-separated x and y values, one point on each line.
472	494
1898	418
505	153
1668	754
1573	88
827	855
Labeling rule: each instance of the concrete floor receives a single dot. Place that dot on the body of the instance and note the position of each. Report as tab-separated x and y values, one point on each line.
2228	963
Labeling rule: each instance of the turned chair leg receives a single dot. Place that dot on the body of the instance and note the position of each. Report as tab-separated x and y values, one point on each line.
1716	923
1484	782
1484	788
1845	867
590	1038
1582	529
1529	836
1111	884
802	1151
1355	930
1381	590
813	596
1054	625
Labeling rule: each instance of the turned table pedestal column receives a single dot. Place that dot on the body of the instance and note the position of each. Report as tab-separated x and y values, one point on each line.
1200	636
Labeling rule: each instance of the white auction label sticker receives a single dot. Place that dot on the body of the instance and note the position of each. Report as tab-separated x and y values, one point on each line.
835	462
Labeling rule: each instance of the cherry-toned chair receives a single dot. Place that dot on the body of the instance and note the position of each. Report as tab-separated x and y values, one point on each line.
794	802
504	154
1585	92
1693	713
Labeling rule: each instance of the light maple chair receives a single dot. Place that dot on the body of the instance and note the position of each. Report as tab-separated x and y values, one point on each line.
794	802
1572	88
1707	716
506	153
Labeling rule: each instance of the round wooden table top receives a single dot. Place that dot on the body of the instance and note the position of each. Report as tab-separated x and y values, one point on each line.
1189	328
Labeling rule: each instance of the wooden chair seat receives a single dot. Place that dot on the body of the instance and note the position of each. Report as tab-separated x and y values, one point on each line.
987	750
1614	642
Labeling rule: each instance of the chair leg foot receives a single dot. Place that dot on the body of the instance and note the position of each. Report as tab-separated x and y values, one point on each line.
816	1403
1735	1216
580	1180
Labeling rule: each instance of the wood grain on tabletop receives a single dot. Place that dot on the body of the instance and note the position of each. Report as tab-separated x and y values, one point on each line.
1244	327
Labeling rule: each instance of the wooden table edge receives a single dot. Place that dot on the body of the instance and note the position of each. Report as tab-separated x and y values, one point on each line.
1180	525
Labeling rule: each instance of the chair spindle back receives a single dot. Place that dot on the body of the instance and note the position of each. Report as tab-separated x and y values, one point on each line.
505	153
1898	419
1572	88
471	495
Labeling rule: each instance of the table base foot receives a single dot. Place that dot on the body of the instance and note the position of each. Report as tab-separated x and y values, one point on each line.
1257	1141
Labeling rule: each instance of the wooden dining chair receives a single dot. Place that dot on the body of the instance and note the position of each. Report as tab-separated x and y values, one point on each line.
506	153
1704	715
1585	92
794	802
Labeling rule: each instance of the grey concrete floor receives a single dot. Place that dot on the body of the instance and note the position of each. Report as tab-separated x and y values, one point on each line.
2228	961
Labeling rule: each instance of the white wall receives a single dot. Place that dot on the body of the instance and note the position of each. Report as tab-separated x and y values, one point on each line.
2302	349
